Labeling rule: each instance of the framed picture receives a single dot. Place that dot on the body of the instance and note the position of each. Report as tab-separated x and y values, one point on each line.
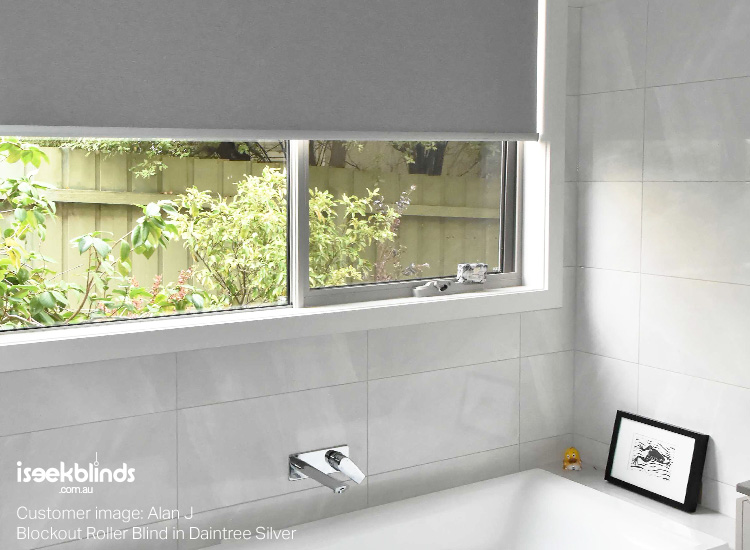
657	460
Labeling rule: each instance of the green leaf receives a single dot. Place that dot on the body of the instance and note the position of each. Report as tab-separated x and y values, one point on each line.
153	209
102	248
124	251
84	243
23	275
197	300
47	300
139	236
20	214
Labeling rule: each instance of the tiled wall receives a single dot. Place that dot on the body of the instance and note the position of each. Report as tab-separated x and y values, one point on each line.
423	408
663	103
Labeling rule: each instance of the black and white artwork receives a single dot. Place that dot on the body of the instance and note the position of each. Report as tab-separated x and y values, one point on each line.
651	456
661	461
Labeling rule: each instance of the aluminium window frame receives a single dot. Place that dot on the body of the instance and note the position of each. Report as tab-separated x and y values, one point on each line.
304	296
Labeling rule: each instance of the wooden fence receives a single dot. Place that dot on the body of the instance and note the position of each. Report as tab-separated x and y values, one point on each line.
450	219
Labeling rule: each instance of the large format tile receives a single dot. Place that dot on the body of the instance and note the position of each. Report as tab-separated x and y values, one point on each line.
607	313
593	453
697	230
720	410
574	51
441	475
610	136
278	513
145	443
613	46
443	414
692	40
238	452
719	496
552	330
543	452
547	384
419	348
54	397
240	372
697	328
571	139
698	132
609	225
602	387
571	223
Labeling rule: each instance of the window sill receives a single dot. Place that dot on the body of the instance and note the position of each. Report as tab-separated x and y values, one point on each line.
66	345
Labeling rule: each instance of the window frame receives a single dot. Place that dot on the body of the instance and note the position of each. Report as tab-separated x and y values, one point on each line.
544	198
303	295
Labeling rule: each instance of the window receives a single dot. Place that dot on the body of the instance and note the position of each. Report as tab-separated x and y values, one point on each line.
108	229
386	215
98	230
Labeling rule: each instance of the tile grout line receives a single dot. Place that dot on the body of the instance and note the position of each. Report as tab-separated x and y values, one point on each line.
665	370
649	274
657	86
520	342
367	415
640	252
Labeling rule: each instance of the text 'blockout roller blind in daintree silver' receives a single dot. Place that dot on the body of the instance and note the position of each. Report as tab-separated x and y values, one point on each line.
288	68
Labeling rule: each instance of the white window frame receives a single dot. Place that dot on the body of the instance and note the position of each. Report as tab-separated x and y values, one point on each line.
302	295
541	252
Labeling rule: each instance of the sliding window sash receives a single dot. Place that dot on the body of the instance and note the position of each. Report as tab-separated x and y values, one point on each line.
299	235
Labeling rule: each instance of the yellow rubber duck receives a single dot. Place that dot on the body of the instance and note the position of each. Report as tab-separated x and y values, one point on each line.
572	460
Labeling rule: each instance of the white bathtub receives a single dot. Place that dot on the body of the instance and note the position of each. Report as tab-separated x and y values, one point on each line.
532	510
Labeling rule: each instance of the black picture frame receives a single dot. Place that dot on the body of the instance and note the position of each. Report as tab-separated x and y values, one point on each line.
693	488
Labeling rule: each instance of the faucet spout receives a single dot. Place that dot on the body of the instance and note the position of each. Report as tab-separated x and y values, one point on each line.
311	471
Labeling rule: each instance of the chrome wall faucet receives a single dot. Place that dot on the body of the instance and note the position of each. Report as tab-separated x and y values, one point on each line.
319	464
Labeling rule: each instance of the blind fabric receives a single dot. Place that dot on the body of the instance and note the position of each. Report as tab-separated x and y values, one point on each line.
288	68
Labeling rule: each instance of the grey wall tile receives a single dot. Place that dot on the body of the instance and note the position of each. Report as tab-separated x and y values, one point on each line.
420	348
53	397
551	330
443	414
545	452
696	328
705	406
691	40
547	383
697	230
613	46
593	453
574	51
238	452
610	136
278	512
240	372
719	496
609	225
571	139
607	313
571	223
602	387
145	443
445	474
698	132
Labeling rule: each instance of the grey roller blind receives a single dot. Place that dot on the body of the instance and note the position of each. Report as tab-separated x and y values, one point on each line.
296	68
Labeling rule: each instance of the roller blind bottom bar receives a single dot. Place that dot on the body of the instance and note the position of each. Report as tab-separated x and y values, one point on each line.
187	134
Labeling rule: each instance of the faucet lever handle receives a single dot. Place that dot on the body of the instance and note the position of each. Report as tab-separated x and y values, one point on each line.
345	465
